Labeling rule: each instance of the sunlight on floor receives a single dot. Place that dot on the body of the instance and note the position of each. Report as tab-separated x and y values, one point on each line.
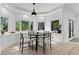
53	42
77	43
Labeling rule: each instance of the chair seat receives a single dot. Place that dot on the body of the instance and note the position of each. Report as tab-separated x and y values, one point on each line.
25	40
28	40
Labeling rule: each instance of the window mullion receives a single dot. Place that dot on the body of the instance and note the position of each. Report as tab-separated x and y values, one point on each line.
29	25
20	26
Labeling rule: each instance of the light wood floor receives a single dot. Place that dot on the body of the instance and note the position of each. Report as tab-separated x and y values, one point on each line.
71	48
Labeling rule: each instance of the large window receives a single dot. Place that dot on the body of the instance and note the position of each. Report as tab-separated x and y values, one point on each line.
24	25
17	25
55	25
4	24
41	26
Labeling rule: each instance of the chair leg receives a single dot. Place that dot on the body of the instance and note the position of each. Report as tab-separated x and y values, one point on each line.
44	45
50	48
22	50
20	46
44	48
32	45
29	44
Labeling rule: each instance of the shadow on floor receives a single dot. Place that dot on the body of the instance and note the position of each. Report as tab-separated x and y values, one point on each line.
75	40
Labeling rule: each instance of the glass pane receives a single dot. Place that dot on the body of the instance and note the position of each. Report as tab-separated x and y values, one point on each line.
25	25
17	26
4	24
55	25
31	26
41	25
0	25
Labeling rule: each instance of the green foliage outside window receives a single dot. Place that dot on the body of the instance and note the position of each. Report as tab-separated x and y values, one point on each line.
4	24
25	25
55	25
31	26
0	25
17	26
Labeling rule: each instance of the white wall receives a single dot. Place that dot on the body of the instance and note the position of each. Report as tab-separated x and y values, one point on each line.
77	27
8	40
6	13
66	15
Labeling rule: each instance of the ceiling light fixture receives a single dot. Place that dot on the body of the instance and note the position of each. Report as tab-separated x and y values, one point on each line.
33	13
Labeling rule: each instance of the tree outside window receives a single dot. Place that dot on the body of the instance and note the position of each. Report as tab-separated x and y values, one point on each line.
18	26
25	25
55	25
4	24
31	26
0	25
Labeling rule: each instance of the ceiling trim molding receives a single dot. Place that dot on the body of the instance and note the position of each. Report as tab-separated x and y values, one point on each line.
21	9
28	12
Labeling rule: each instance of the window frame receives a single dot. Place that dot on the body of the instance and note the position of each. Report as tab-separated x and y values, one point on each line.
20	28
7	23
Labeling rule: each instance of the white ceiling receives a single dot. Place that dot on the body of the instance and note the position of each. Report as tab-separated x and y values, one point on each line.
74	7
42	8
39	7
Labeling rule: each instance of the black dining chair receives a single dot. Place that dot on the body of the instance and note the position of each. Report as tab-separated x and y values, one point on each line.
31	32
25	40
44	40
32	37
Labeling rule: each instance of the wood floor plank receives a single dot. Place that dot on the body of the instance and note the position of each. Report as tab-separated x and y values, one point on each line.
71	48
